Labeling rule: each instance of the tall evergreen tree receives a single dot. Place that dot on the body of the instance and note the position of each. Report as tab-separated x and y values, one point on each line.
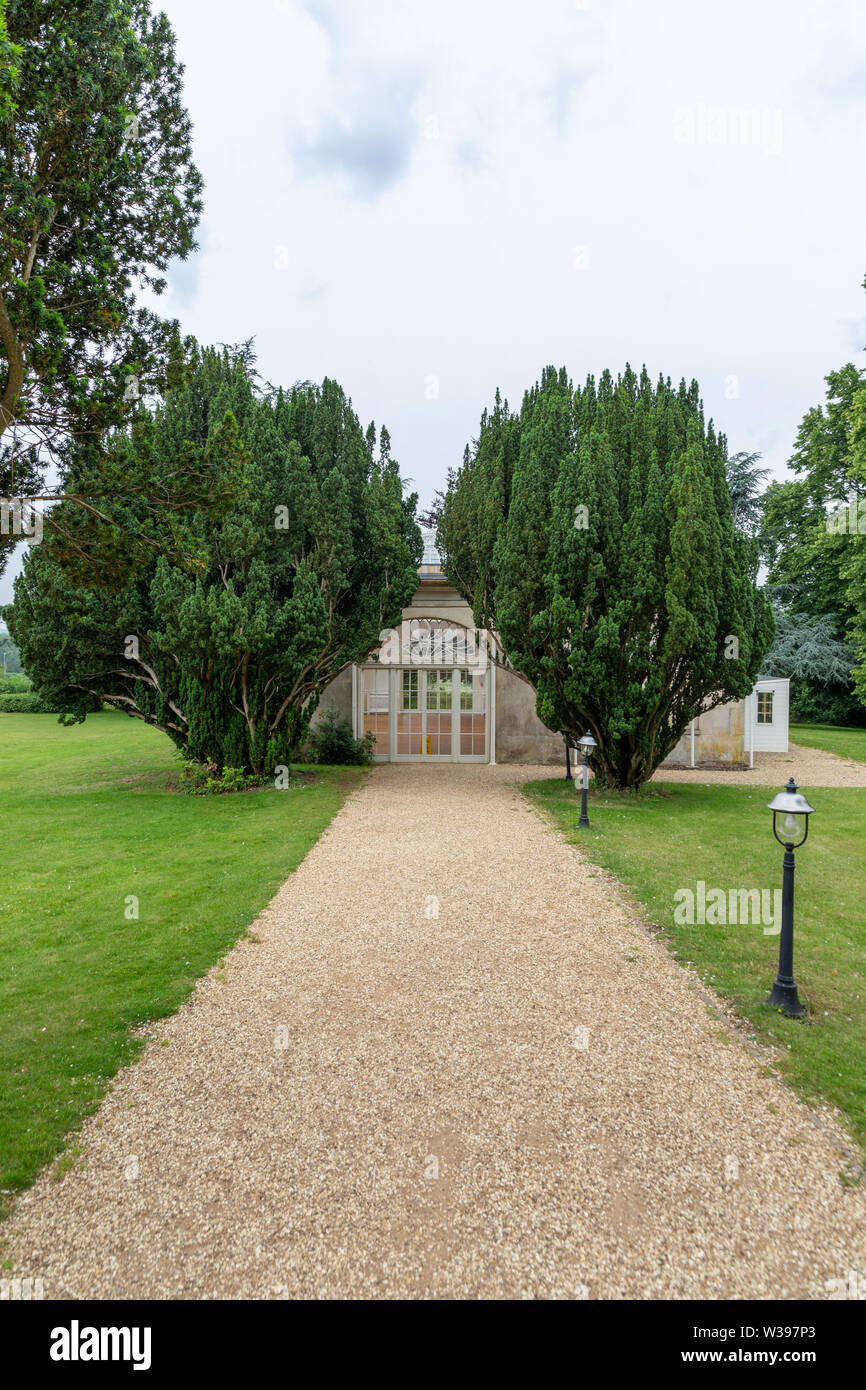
98	192
318	555
854	568
594	533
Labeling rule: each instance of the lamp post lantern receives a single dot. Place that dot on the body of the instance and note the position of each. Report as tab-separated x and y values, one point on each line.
586	743
794	832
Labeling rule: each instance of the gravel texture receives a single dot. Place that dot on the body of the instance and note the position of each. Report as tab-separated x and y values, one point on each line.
453	1065
809	767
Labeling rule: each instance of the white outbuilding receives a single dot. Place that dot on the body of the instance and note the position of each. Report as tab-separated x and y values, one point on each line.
768	715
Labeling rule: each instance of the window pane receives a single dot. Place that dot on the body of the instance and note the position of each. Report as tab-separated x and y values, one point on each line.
375	687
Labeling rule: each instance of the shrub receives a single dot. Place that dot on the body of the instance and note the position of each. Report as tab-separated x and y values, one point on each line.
15	684
206	779
24	703
814	703
27	702
333	742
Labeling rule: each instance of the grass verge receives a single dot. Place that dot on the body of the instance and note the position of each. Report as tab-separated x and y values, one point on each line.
832	738
673	834
94	831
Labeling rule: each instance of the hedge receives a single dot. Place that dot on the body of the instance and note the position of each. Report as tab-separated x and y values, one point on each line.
25	704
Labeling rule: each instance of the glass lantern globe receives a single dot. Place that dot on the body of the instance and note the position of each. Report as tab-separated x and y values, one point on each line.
791	813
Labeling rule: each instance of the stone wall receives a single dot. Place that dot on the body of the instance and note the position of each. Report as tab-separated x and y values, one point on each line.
720	737
336	696
520	735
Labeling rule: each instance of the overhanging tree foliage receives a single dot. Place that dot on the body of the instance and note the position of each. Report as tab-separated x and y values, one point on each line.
854	567
98	192
319	554
813	535
805	556
594	532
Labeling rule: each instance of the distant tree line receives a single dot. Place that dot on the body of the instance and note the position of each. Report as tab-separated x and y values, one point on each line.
10	657
813	538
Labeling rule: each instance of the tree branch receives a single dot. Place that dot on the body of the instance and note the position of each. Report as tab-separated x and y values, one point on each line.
15	358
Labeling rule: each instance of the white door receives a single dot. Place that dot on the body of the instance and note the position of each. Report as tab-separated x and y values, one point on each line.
425	714
473	685
441	715
770	716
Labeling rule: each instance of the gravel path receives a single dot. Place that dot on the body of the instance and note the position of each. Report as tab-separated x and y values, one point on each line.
520	1096
810	767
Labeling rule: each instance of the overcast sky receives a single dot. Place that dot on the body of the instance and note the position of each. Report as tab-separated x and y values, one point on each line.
427	200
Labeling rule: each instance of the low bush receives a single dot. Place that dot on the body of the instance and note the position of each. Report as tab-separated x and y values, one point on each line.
206	779
24	703
333	742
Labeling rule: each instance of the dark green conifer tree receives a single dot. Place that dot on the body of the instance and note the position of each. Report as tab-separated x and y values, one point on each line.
317	556
593	532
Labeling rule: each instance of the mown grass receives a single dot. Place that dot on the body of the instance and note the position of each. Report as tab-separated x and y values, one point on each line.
673	834
92	818
832	738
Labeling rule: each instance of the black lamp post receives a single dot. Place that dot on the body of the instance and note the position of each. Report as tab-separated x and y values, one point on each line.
795	829
586	743
568	776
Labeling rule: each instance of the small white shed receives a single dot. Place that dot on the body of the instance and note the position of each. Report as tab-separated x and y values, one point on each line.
768	705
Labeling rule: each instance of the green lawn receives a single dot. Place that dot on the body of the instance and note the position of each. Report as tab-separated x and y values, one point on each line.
91	818
674	834
832	738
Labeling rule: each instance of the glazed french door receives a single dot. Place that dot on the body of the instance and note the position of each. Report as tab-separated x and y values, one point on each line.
473	714
424	714
438	687
441	714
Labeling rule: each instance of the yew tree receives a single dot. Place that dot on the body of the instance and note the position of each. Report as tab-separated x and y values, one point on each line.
318	554
593	530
